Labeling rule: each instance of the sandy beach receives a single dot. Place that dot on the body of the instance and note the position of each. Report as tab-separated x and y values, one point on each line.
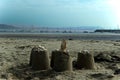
15	53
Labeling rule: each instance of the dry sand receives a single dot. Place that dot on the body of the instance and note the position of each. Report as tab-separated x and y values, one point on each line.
15	53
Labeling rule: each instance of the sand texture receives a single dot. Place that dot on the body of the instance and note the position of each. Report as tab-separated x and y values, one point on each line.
15	55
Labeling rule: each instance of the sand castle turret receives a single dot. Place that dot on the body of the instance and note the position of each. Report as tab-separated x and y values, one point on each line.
60	59
63	46
85	60
39	58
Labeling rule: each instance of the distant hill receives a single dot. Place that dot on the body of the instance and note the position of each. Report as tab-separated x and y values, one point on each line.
6	26
40	29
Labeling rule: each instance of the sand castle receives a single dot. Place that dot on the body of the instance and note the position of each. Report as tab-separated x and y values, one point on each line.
39	58
60	59
85	60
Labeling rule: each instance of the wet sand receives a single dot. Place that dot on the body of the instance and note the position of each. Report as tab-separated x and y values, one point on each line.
78	36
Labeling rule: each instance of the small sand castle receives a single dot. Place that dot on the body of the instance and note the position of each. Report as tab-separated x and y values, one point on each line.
39	58
59	60
85	60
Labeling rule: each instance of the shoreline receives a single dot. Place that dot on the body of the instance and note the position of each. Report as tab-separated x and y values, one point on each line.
68	36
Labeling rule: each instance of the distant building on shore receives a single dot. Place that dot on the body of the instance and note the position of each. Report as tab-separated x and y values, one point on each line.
108	30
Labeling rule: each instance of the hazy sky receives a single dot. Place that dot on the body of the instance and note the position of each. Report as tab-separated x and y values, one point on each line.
61	12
